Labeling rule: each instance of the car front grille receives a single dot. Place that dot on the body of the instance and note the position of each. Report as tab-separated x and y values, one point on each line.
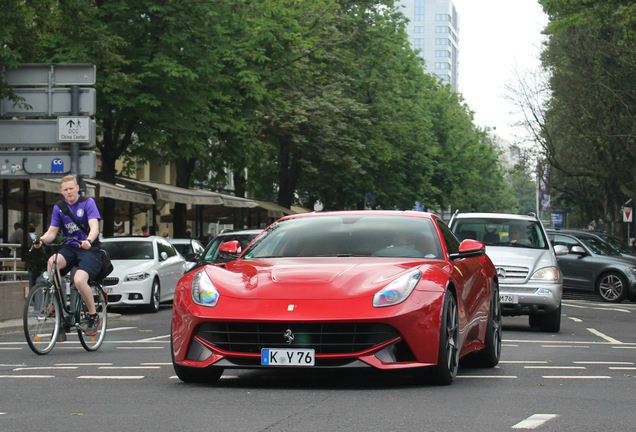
510	274
331	338
520	290
110	281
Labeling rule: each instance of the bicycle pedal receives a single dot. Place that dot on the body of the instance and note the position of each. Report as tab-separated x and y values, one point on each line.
61	337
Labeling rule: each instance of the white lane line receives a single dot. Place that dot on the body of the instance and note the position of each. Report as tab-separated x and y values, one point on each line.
604	336
140	347
603	363
576	377
487	376
27	376
130	367
575	319
154	338
119	328
622	368
509	345
564	346
534	421
176	377
574	306
523	361
1	413
12	365
7	349
612	309
83	364
625	347
44	368
161	364
554	367
104	377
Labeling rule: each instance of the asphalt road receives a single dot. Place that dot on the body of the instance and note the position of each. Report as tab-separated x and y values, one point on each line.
581	379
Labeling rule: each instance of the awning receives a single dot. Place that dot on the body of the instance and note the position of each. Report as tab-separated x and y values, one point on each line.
53	186
273	210
299	209
116	192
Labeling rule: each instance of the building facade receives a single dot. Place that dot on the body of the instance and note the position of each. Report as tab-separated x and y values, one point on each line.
433	29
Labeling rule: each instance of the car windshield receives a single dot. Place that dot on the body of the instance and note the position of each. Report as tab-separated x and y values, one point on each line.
211	255
502	232
350	235
619	245
186	248
598	246
129	250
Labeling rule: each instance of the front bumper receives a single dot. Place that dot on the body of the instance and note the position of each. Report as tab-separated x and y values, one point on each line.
132	293
531	298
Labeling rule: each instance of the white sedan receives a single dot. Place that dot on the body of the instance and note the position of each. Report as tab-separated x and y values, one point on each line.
147	269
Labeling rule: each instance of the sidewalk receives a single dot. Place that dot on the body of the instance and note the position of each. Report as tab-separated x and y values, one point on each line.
10	326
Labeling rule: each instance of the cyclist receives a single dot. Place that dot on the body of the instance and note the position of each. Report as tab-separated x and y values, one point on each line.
84	255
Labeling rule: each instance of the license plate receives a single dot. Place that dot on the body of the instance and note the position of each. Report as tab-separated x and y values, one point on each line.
508	298
287	357
108	290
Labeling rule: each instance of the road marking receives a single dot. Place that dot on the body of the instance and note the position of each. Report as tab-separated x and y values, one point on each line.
487	376
625	347
575	319
12	365
622	368
534	421
603	363
130	367
114	377
7	349
161	364
577	377
523	361
83	364
604	336
139	347
574	306
44	368
154	338
119	328
564	346
509	345
229	377
27	376
554	367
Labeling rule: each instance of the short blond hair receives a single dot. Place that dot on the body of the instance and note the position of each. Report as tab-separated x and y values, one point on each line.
68	178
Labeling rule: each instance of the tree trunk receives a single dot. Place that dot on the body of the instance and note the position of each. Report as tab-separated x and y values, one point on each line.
180	211
289	174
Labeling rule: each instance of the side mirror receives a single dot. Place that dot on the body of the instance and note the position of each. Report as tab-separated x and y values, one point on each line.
164	256
192	257
469	249
230	250
578	250
560	250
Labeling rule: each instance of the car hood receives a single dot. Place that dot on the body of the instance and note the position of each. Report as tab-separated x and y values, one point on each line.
130	266
533	259
311	278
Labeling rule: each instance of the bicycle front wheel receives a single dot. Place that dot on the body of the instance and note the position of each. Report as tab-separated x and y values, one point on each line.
92	343
42	317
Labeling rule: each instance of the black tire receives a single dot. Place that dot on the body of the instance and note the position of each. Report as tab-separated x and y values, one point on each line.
612	287
550	322
445	371
42	318
490	355
534	320
192	375
92	343
155	296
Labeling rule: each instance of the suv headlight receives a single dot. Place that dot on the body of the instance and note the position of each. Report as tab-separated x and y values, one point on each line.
548	274
398	290
204	292
135	277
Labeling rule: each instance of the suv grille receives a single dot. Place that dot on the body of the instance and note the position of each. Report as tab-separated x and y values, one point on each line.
332	338
510	274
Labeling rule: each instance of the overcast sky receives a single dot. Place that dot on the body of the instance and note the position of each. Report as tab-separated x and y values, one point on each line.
494	36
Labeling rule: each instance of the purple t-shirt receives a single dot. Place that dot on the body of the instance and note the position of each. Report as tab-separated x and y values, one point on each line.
82	211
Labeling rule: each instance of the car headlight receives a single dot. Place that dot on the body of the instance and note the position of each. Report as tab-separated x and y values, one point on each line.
398	290
135	277
204	292
549	274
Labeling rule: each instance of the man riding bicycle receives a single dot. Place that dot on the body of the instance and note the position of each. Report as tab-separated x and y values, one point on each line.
82	254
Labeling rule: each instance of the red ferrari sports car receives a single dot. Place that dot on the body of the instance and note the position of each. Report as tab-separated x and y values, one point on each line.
353	289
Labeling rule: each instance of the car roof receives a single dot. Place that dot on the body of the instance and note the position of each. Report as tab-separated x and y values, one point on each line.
402	213
130	238
182	240
495	216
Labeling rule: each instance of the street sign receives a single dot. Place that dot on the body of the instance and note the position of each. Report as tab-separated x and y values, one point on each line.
42	102
75	129
627	214
50	164
41	133
60	74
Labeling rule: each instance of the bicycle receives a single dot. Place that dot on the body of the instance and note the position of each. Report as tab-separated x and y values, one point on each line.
48	310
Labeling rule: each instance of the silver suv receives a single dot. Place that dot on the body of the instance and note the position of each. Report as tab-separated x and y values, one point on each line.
530	282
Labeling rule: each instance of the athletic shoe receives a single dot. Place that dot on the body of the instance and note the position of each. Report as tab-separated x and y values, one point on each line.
94	323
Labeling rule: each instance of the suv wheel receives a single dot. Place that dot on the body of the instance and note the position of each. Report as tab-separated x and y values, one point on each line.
612	287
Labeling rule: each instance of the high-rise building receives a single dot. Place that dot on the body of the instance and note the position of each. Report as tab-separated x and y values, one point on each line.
433	29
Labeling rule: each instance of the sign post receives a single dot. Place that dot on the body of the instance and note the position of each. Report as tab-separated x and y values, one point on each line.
627	217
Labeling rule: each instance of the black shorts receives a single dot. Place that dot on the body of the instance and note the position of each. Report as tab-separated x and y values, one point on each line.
89	260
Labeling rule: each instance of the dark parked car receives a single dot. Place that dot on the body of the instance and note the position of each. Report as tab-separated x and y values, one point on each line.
593	264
